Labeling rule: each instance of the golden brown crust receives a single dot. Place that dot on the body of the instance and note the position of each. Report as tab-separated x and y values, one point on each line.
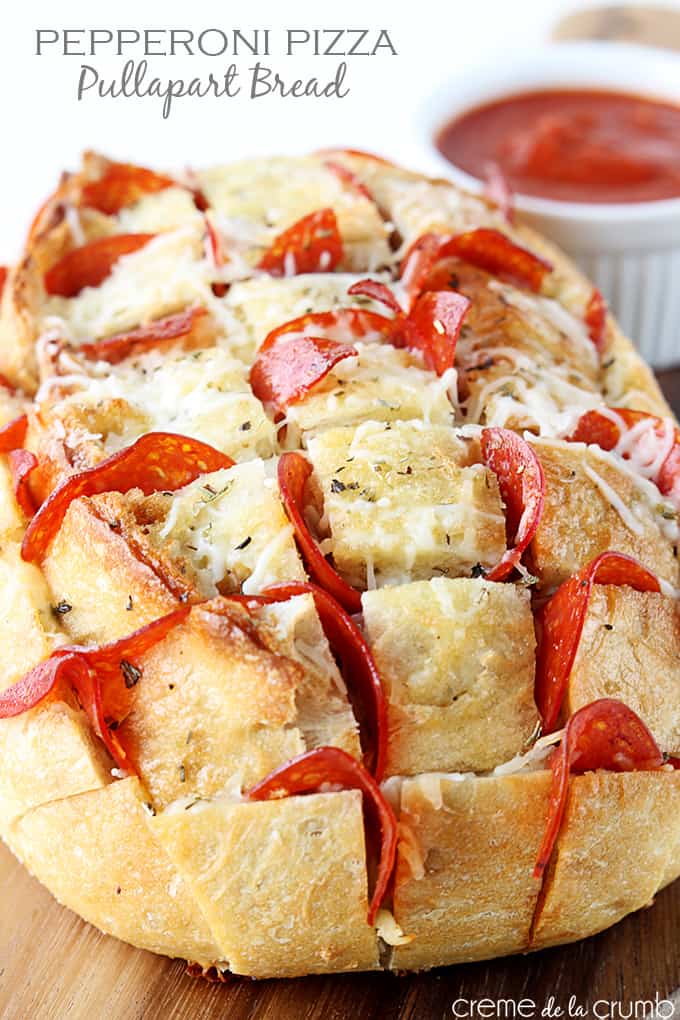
619	841
464	888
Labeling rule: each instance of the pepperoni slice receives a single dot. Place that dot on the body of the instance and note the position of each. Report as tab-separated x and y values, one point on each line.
116	348
561	624
596	318
296	356
312	245
13	434
522	486
359	153
378	292
418	263
285	372
309	772
356	661
217	255
21	464
103	678
484	247
89	265
653	443
343	325
497	189
156	461
120	185
3	277
603	735
432	325
491	250
293	474
348	177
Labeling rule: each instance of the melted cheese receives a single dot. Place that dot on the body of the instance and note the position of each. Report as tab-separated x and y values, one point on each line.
263	303
163	210
203	394
404	503
380	384
230	527
169	273
548	400
272	194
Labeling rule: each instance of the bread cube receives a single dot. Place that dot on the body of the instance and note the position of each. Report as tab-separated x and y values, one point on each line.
48	752
594	504
203	394
630	650
381	384
167	275
618	840
240	195
229	531
458	836
282	883
169	209
263	303
213	706
405	501
126	884
456	658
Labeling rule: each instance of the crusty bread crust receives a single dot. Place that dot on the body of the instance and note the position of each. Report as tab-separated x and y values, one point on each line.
176	860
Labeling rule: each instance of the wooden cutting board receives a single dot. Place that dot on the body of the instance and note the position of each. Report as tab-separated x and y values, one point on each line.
53	966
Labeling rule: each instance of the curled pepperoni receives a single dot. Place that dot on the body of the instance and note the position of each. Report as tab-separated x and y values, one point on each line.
157	461
348	177
596	318
312	245
357	664
89	265
358	153
344	325
293	474
116	348
648	444
285	372
13	434
120	185
103	678
484	247
561	625
522	486
298	355
309	772
497	189
603	735
378	292
418	263
219	289
21	464
432	325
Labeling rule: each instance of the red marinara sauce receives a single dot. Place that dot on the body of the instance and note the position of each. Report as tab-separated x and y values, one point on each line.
577	145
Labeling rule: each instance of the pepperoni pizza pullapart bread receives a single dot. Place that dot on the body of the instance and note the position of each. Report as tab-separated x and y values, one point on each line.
339	572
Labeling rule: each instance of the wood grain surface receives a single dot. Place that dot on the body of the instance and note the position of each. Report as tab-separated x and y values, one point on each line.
53	966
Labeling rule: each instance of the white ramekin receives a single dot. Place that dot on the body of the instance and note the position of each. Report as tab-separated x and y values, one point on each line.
630	250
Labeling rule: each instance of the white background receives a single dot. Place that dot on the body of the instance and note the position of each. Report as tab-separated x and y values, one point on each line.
44	128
